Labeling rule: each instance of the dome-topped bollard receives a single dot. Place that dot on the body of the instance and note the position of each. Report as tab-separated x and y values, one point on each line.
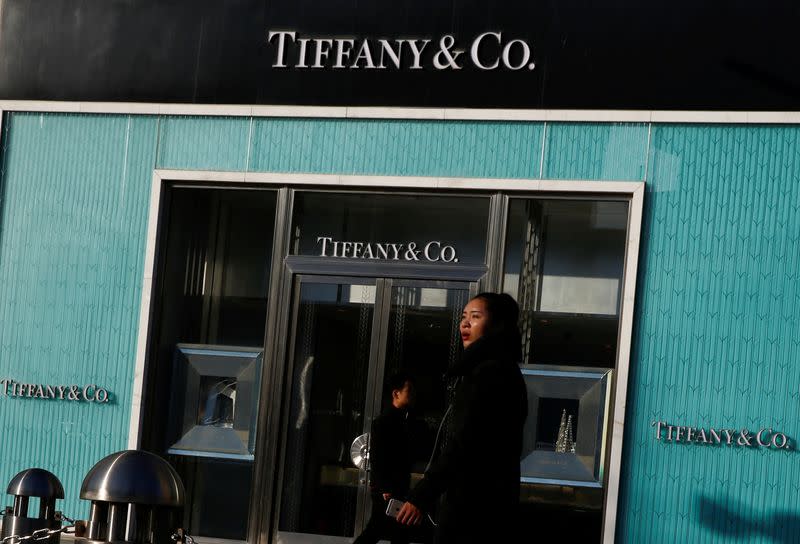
39	483
136	496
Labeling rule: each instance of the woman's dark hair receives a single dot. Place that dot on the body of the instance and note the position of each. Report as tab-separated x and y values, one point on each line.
503	312
503	322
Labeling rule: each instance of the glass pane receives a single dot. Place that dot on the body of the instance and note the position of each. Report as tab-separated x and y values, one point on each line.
385	226
328	394
564	263
213	292
423	340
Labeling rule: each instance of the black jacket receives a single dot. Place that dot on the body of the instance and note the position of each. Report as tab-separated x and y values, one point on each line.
478	469
390	455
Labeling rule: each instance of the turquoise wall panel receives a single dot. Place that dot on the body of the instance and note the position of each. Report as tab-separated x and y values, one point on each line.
408	148
204	143
75	198
717	337
717	331
596	151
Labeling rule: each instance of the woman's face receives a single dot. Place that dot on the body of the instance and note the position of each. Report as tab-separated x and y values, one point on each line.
474	320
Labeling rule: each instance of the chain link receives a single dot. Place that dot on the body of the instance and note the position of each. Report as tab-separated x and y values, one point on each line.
45	534
39	535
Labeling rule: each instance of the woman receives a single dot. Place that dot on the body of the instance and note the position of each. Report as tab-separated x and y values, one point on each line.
478	469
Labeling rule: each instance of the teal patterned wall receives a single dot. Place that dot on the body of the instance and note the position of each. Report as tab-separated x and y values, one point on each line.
74	208
716	336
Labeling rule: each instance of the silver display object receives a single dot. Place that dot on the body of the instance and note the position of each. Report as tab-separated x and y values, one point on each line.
215	401
560	386
359	451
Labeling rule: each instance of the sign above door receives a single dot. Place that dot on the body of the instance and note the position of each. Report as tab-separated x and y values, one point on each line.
433	251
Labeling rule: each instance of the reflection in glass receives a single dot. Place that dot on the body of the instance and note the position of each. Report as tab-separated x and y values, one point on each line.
213	288
564	263
217	401
328	391
423	340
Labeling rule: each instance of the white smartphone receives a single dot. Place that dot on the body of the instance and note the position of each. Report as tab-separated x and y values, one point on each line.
393	508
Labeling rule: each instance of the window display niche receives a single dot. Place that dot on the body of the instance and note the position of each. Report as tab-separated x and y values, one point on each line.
564	438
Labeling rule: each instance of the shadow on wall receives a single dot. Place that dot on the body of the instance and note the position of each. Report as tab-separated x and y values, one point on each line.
727	520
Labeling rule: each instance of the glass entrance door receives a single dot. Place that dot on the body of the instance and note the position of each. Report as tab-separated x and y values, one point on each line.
349	335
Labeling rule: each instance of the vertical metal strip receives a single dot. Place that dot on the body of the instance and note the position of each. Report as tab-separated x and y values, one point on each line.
272	377
620	381
278	419
383	340
372	399
495	242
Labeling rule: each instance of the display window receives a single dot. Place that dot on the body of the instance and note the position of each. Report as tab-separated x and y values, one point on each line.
281	316
564	263
204	376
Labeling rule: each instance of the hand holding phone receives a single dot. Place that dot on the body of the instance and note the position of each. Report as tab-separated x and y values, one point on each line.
409	514
394	507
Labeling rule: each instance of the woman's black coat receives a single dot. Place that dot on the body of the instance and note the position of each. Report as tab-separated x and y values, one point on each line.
478	469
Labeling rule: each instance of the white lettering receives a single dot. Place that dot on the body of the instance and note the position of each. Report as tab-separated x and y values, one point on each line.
368	252
280	57
395	56
526	55
324	240
89	393
396	248
474	52
729	435
417	50
365	54
302	62
449	254
784	441
323	50
427	248
346	248
343	49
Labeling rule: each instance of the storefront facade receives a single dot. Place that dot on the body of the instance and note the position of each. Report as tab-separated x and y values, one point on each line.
224	226
89	200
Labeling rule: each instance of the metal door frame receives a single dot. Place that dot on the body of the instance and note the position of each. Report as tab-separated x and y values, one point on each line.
301	269
378	372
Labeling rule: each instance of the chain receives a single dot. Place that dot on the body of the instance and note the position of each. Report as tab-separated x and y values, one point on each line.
45	534
39	535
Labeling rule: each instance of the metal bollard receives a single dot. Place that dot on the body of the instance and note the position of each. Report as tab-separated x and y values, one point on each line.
137	498
34	482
